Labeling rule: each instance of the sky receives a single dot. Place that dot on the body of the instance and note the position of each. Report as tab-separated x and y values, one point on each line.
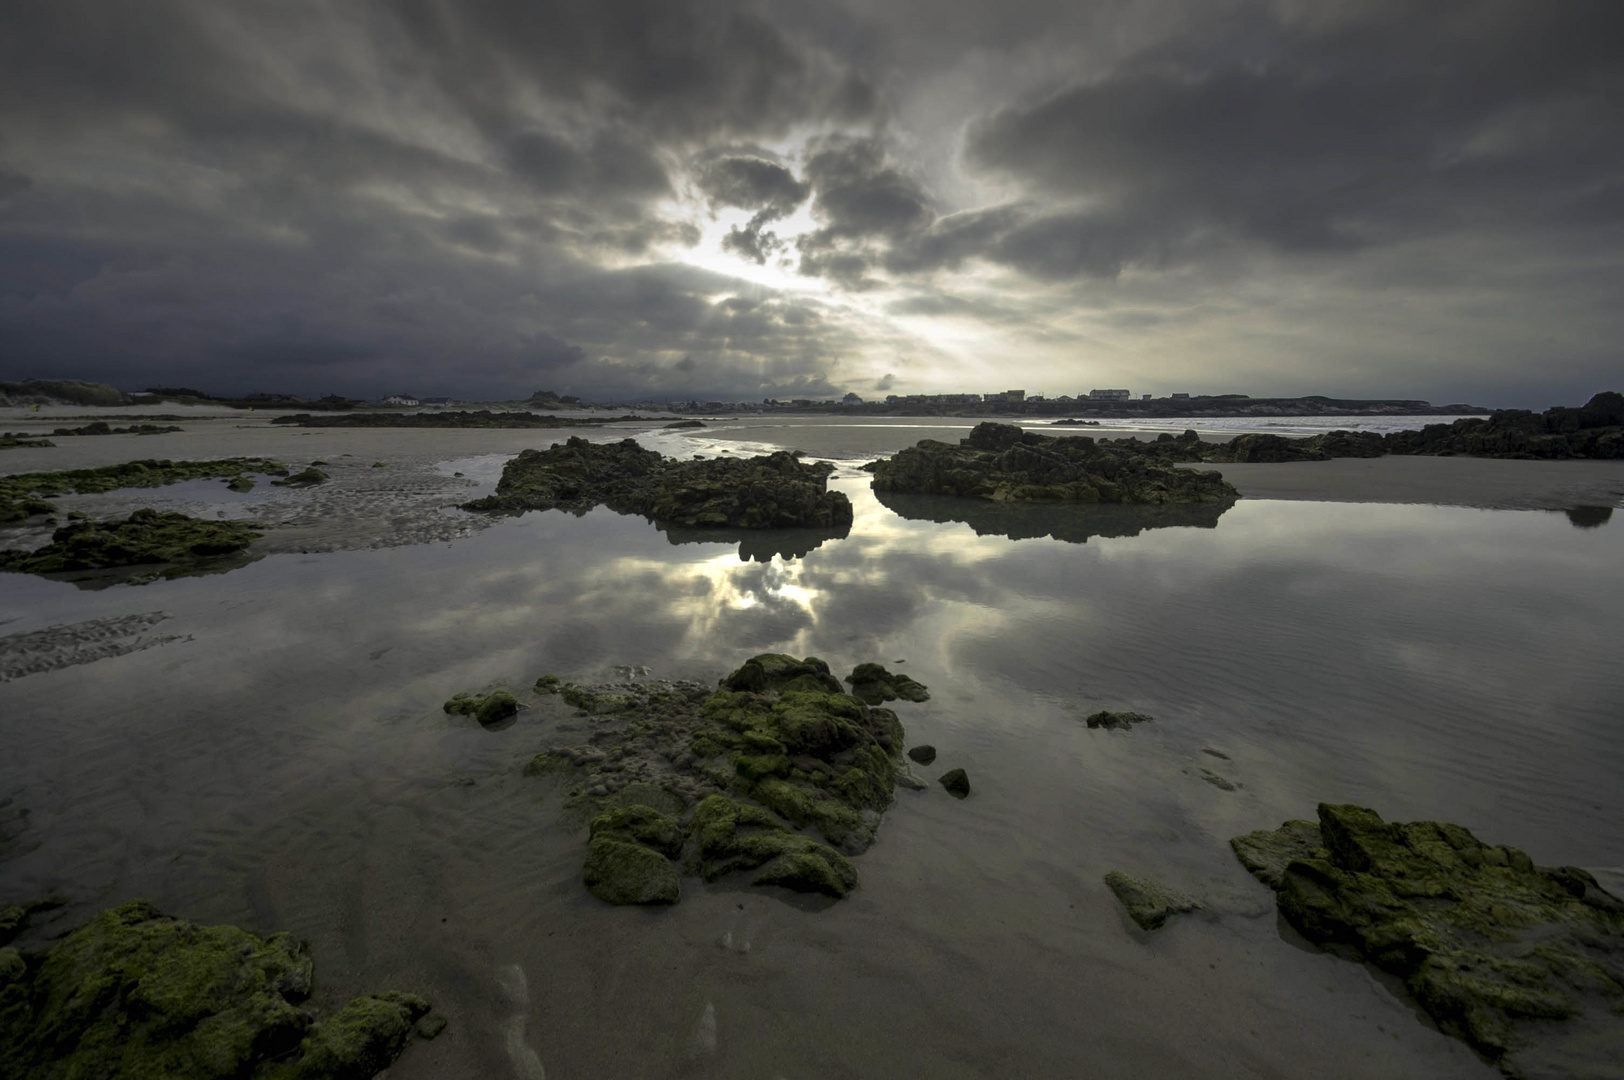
654	199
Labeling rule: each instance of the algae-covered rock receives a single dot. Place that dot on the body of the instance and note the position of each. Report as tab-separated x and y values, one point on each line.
548	684
1116	721
957	783
241	484
774	491
777	742
495	706
924	753
307	478
872	684
135	993
1148	902
1002	463
620	871
1521	961
146	536
23	494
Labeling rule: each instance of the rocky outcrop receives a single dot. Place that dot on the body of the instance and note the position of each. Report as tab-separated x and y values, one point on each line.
145	537
136	993
1116	721
1002	463
726	780
775	491
1595	430
1525	963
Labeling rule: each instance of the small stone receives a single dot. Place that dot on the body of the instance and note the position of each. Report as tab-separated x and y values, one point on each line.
1116	721
1149	903
430	1026
957	783
924	754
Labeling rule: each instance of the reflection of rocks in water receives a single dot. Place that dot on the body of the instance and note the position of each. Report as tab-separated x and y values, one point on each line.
1075	523
1589	517
759	545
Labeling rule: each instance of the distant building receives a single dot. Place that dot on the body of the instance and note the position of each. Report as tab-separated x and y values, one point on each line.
1109	395
401	399
851	399
1014	396
1144	397
1180	397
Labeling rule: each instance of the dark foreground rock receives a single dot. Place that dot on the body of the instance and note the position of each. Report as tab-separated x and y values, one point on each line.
723	781
135	993
145	537
1002	463
1525	963
957	783
924	753
487	709
775	491
1147	901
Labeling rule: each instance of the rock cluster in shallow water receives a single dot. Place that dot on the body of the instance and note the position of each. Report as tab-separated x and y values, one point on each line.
774	491
1525	963
23	494
1003	463
712	782
135	993
145	537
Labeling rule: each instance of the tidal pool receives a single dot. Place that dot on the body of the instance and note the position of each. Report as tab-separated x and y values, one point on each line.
272	753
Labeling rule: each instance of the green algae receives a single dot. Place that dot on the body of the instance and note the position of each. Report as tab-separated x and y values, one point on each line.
17	490
241	484
1147	901
1514	958
549	684
731	836
135	993
145	537
629	856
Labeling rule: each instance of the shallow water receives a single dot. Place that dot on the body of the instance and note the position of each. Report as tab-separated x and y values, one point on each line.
280	760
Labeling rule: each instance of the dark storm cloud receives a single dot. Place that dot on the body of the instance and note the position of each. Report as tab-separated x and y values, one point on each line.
751	183
1320	131
420	192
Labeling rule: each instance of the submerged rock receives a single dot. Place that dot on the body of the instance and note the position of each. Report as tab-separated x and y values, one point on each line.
136	993
308	478
1116	721
146	536
924	754
872	684
1148	902
241	484
777	742
957	783
771	492
1002	463
1521	961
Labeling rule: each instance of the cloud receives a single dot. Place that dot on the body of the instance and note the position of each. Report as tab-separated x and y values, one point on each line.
885	382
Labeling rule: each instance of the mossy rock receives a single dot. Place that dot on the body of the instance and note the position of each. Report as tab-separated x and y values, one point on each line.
145	537
621	871
874	685
1148	902
307	478
730	836
924	753
549	684
241	484
135	993
1116	721
23	494
776	673
493	707
1518	960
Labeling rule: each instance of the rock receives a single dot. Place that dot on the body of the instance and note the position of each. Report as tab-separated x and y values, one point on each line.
134	992
1149	903
548	684
1004	464
620	871
873	685
493	707
771	492
957	783
680	424
924	754
22	494
241	484
430	1026
308	478
1116	721
1518	960
777	741
146	536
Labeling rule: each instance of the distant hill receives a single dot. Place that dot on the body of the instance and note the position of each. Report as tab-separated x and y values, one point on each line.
60	392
